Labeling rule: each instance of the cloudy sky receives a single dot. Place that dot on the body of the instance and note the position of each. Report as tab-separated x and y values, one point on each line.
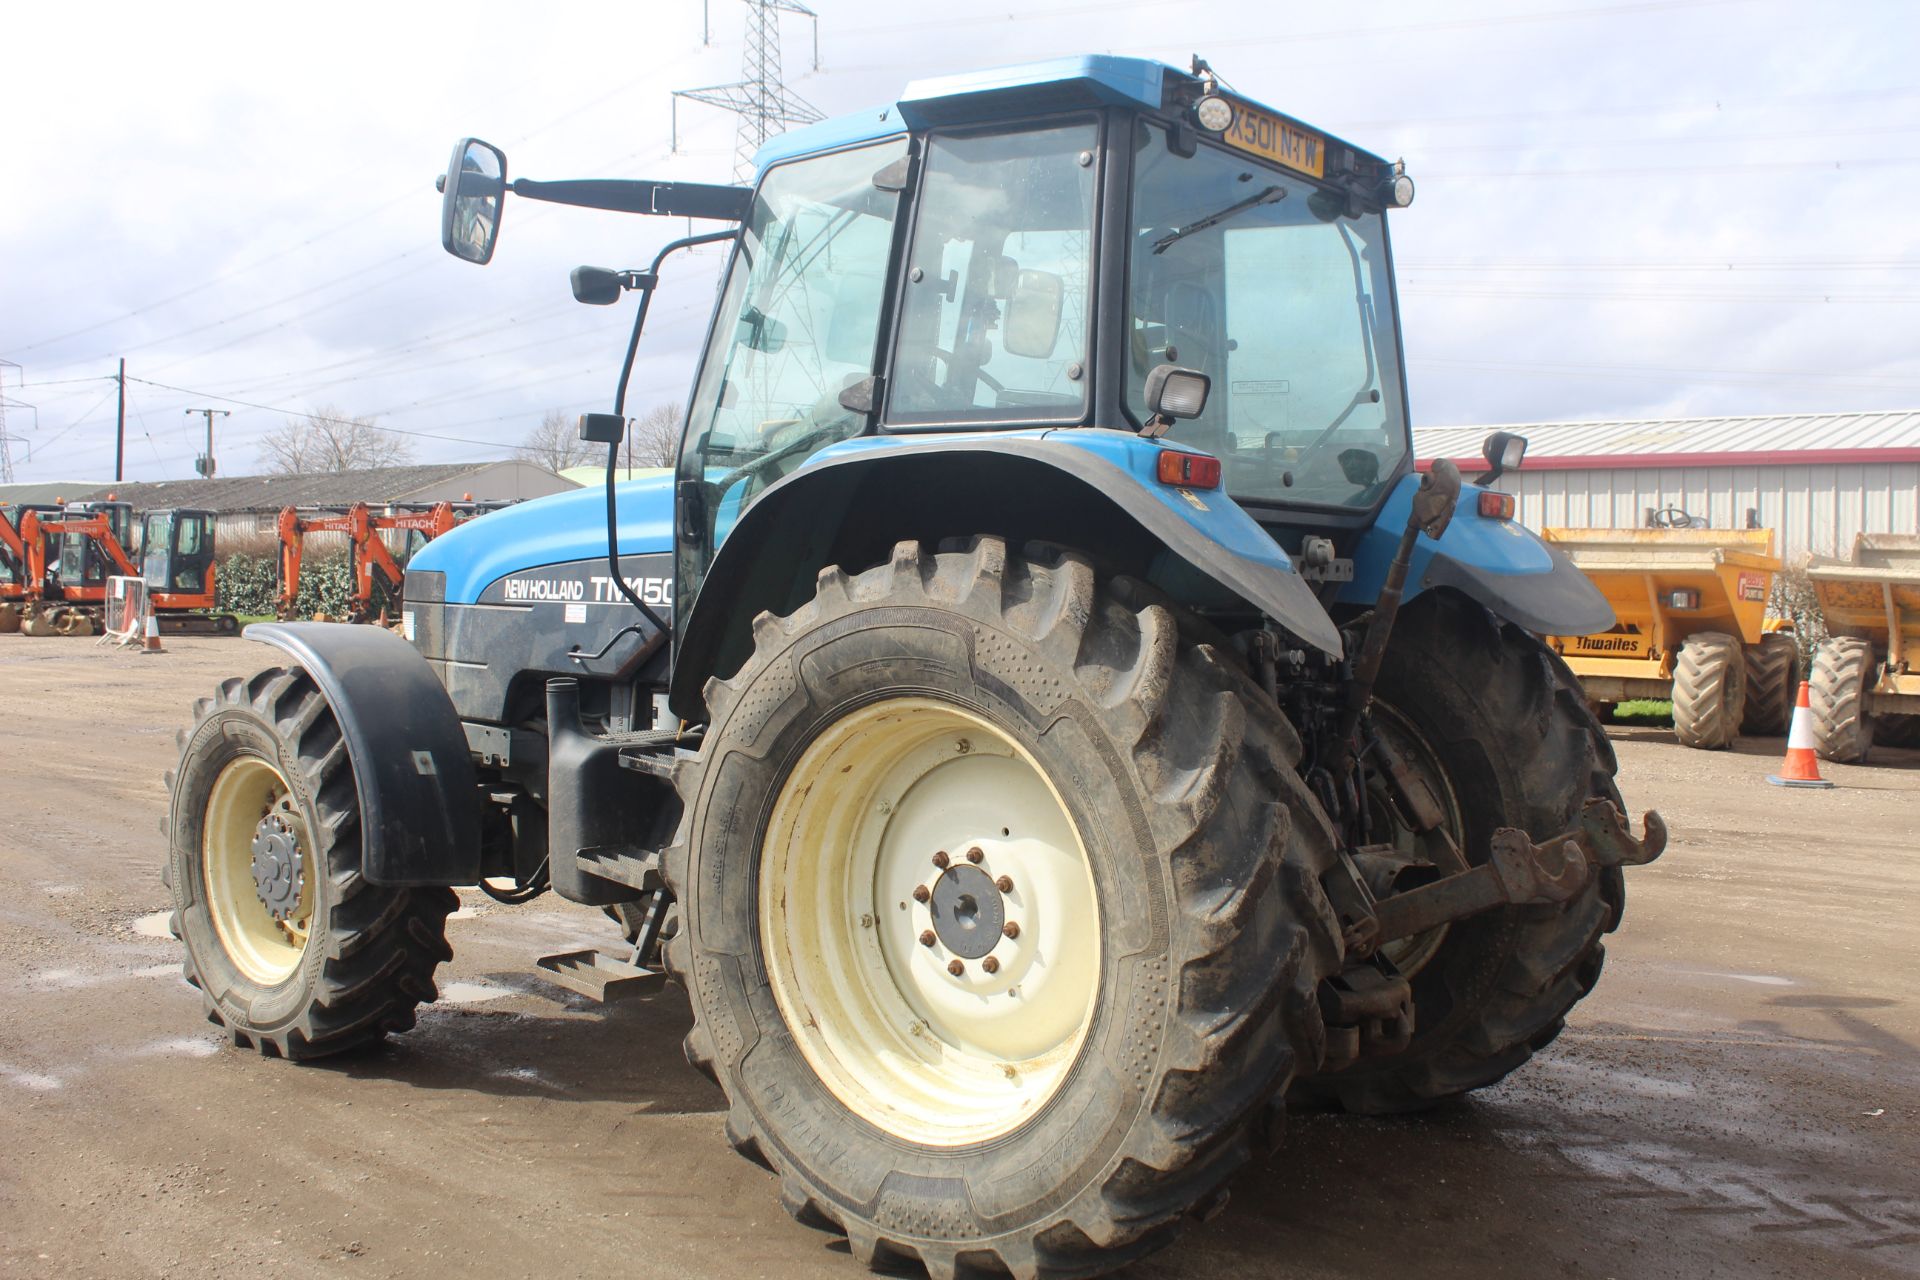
1662	207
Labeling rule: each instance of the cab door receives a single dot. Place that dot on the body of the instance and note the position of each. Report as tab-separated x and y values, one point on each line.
188	564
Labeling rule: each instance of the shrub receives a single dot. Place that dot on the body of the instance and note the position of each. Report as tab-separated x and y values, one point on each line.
250	584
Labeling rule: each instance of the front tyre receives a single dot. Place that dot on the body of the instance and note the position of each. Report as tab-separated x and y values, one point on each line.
296	953
1709	691
1001	913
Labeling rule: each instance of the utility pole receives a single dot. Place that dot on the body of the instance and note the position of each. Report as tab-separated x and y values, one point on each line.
204	465
120	430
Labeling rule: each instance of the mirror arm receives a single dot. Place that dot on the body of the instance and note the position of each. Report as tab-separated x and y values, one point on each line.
670	199
652	276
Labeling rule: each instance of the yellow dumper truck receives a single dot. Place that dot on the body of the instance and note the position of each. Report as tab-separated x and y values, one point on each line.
1690	608
1865	688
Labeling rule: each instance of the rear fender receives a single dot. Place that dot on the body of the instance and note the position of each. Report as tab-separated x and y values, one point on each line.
419	797
1499	563
1093	490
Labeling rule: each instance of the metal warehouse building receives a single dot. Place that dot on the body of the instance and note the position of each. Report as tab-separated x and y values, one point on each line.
1816	479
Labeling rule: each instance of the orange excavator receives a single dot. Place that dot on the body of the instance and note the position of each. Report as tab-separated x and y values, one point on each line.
372	560
91	542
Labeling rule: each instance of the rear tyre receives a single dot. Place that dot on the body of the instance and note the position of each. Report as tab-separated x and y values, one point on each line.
1837	695
1501	729
1773	680
1709	691
1062	1102
297	953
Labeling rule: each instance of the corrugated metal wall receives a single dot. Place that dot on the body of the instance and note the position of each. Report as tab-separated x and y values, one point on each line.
1815	509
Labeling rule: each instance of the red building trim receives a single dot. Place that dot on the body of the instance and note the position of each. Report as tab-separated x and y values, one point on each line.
1656	461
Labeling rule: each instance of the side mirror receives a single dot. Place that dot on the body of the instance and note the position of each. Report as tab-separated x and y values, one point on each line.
472	191
596	286
1504	452
761	332
603	428
1031	325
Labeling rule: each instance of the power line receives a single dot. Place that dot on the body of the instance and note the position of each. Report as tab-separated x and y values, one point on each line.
278	408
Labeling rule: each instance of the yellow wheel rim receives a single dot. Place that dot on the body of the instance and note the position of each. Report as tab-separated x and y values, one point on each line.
258	870
850	891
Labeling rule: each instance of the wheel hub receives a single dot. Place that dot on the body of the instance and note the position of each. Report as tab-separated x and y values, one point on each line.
277	875
968	911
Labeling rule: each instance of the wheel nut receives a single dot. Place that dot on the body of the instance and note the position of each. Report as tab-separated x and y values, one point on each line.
1004	884
927	938
940	859
976	853
956	967
1011	929
921	893
990	964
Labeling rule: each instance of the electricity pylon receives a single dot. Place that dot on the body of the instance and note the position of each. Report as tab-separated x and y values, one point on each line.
759	97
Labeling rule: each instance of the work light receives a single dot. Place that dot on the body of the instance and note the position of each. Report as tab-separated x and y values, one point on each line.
1214	113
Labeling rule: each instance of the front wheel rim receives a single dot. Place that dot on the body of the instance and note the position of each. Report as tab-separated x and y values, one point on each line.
258	870
895	970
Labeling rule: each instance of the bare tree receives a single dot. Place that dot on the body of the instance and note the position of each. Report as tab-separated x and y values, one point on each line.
654	438
556	444
327	441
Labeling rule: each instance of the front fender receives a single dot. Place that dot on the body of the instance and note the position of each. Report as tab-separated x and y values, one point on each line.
1090	489
419	815
1499	563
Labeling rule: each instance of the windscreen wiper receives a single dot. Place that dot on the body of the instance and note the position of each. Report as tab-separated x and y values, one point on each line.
1272	195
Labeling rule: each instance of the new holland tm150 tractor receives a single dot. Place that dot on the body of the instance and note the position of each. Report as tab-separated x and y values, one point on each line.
1046	722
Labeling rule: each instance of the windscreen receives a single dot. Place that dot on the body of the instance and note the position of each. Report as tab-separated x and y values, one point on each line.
1267	283
797	324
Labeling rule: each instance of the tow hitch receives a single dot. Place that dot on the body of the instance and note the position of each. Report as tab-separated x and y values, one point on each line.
1517	872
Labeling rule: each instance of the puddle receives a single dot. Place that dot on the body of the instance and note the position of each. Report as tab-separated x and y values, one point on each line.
154	926
1759	979
183	1046
528	1075
472	993
29	1079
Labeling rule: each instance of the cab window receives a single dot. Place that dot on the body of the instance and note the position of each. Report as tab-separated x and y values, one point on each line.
993	327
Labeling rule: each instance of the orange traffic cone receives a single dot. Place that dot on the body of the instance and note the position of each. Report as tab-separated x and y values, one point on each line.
1802	767
150	636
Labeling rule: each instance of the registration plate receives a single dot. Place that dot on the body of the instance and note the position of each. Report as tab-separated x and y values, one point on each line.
1268	136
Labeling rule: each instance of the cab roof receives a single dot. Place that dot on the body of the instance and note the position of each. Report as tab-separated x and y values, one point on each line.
1028	88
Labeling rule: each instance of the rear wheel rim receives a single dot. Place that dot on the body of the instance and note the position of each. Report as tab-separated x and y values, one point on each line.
255	844
925	1054
1412	954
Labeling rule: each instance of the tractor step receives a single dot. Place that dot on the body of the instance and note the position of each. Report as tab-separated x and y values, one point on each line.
599	976
640	871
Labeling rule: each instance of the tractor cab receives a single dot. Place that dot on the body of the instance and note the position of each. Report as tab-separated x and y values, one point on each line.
176	556
14	555
84	560
14	561
1094	242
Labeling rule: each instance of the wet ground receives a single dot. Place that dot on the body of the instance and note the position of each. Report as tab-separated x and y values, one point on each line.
1740	1097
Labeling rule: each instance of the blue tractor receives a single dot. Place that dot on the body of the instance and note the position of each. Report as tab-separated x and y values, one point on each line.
1046	721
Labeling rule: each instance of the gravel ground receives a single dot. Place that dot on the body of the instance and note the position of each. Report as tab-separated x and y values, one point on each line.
1739	1097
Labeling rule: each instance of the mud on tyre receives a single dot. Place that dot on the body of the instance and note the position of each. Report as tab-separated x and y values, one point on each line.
296	953
1139	804
1511	728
